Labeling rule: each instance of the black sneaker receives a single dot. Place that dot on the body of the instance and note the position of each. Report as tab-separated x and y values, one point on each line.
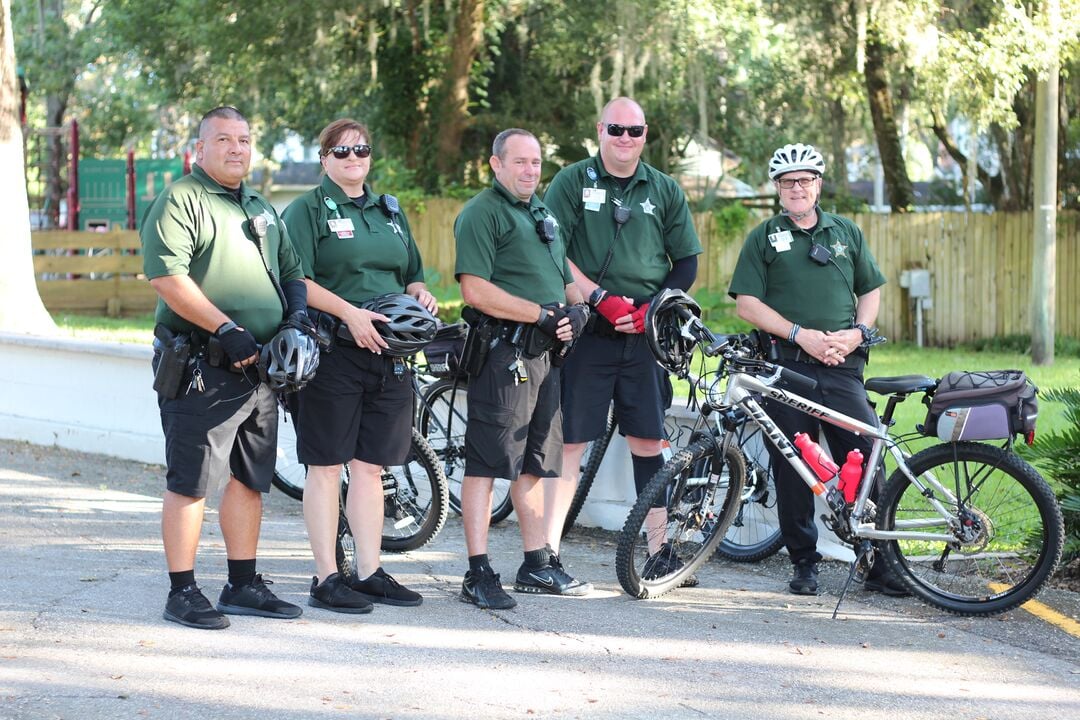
383	588
255	599
551	579
335	595
190	607
886	583
664	562
484	590
804	580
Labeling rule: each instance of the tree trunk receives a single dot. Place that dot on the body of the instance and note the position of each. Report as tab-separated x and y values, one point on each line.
454	112
994	186
21	309
901	196
838	123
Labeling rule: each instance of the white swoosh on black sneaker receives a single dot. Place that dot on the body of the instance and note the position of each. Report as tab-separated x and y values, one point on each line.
542	581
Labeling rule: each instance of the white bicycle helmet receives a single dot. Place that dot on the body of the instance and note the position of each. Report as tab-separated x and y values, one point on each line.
663	330
796	157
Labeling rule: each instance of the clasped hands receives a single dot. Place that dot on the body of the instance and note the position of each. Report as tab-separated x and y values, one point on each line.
620	312
829	348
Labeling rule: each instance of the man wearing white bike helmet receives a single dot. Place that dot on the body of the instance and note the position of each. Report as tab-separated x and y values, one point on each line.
808	278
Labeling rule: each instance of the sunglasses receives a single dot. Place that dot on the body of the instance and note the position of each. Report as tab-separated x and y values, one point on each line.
615	130
788	183
342	151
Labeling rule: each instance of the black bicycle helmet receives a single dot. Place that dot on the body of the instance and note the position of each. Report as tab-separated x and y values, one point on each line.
411	326
288	362
663	329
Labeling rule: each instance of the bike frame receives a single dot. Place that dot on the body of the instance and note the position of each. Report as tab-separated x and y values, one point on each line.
741	392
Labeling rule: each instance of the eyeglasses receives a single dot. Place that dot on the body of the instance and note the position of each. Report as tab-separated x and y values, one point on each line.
342	151
615	130
788	183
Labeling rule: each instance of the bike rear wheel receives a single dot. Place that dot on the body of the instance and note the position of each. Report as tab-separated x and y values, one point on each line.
755	532
443	425
699	492
591	460
1009	537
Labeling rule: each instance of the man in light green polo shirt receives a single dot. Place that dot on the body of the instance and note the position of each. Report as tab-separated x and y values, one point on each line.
210	244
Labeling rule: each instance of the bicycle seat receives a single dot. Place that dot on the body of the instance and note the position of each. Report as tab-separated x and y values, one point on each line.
902	385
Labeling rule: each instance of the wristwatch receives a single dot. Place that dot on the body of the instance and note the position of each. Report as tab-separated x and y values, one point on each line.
867	333
597	296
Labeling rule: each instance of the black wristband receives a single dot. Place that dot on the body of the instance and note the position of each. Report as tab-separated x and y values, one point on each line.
227	326
597	296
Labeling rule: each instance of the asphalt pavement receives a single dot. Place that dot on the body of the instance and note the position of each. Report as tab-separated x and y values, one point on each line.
83	585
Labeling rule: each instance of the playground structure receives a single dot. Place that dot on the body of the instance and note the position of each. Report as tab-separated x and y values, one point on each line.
84	217
69	192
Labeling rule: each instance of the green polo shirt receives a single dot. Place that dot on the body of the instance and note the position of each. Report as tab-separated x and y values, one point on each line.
497	241
198	228
354	252
660	229
815	296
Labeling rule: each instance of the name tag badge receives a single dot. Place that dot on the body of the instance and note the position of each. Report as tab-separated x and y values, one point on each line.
593	198
781	241
341	226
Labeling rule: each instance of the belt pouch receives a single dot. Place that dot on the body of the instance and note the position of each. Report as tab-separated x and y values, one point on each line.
172	365
477	345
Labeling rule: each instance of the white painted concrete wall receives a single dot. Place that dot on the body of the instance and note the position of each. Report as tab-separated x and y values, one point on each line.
89	396
97	397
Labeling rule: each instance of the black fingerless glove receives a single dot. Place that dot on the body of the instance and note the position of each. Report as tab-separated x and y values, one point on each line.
237	343
549	321
302	322
579	315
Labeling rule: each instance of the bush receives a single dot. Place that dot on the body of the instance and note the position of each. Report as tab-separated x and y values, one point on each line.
1056	455
1021	344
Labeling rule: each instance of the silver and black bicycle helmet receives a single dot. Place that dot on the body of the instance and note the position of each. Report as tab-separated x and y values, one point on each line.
411	326
288	362
794	157
663	330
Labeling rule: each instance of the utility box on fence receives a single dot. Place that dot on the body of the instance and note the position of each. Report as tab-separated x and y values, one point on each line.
917	283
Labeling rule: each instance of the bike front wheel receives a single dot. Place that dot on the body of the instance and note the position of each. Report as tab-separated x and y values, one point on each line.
755	532
679	518
1006	531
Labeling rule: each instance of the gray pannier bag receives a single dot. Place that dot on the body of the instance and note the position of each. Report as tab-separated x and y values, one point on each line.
986	405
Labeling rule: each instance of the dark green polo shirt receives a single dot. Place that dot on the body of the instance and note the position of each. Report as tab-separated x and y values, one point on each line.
197	228
815	296
354	252
497	241
660	229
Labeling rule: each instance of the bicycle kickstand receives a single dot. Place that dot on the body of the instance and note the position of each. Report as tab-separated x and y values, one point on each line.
862	561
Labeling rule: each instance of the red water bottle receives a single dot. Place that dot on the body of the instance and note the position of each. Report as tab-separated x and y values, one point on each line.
850	476
816	457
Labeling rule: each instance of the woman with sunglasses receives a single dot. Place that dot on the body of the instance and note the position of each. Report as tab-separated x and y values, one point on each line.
354	245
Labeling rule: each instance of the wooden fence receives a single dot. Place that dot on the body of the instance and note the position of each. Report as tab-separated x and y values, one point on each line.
980	268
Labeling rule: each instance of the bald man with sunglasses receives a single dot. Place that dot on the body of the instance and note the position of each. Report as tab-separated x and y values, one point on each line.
629	234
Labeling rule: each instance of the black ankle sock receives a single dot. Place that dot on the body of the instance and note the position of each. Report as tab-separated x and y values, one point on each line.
241	572
478	562
179	580
535	559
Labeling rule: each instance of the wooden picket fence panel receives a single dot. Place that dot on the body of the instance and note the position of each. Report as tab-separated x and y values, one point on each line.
980	268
